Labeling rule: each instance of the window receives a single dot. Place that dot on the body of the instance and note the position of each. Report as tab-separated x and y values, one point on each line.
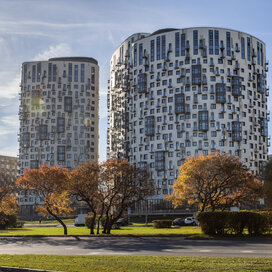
228	43
68	104
152	48
236	86
60	125
142	83
158	47
159	160
182	47
220	93
70	72
210	42
149	125
216	42
42	132
140	54
82	72
33	73
135	54
196	74
248	49
242	47
236	131
203	120
179	103
177	44
61	153
195	41
75	73
163	46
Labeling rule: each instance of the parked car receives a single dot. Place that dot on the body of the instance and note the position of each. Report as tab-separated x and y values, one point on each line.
122	222
179	222
190	221
80	219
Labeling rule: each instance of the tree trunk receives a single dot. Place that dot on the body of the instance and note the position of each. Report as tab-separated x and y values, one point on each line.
93	224
59	220
106	224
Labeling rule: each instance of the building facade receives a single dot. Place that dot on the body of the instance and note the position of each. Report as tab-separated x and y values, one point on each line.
10	165
179	93
58	113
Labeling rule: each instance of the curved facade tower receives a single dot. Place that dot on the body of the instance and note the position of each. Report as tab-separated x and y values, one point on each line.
179	93
59	112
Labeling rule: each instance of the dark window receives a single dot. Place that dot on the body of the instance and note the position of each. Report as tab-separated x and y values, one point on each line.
236	86
260	83
152	50
159	160
54	72
61	153
228	43
61	125
33	73
196	74
163	46
216	42
140	54
92	75
25	73
39	72
182	45
34	164
236	131
76	73
68	103
135	54
258	52
177	44
158	47
203	120
195	41
82	72
35	98
42	132
248	49
220	93
25	139
179	103
264	127
70	72
49	72
261	49
149	125
242	47
210	42
142	83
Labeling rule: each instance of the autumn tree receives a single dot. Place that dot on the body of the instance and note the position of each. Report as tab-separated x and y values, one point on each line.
84	186
50	183
268	183
215	181
8	204
123	185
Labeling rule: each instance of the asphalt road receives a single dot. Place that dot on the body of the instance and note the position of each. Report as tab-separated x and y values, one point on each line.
155	246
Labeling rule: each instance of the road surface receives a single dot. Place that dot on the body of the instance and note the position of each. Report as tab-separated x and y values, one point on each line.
155	246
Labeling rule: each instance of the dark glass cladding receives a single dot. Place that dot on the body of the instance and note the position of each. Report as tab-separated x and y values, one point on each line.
79	59
163	30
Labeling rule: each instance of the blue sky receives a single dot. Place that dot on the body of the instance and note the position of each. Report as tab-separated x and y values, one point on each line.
40	29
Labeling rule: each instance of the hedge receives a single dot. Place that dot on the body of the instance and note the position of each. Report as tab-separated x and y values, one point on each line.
159	224
234	222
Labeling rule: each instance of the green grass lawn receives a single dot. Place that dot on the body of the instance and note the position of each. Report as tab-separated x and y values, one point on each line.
136	263
85	231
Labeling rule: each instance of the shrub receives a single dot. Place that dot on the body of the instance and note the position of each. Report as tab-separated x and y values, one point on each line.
88	221
234	222
159	224
8	221
213	222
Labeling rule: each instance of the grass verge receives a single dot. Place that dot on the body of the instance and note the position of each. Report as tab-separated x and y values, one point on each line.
136	263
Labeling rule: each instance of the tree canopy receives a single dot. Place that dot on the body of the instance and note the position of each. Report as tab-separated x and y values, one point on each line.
215	181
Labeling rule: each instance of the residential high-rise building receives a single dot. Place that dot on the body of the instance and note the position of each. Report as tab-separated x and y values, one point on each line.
179	93
58	113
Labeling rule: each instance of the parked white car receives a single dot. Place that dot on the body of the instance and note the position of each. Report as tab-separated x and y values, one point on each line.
190	221
80	219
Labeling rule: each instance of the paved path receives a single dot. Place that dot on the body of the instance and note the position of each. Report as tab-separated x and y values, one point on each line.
156	246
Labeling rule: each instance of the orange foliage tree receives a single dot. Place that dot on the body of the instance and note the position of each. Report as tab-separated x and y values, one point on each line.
215	182
50	183
84	185
8	204
122	185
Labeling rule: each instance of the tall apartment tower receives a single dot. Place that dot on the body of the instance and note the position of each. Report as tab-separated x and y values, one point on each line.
59	112
179	93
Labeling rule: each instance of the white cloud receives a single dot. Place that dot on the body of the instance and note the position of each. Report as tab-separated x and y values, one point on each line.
60	50
11	89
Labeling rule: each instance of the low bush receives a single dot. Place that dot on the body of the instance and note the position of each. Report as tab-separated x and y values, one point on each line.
159	224
8	221
235	222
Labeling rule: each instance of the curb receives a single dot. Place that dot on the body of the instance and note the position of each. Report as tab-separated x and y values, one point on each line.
20	269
